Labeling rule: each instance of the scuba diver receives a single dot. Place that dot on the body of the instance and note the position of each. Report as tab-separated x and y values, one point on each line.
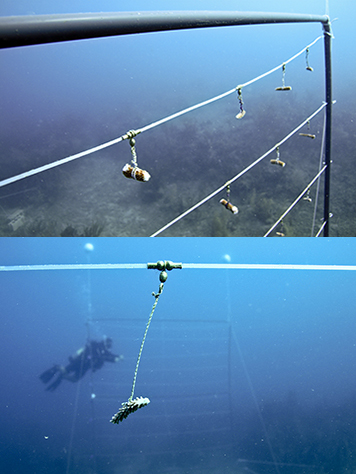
92	356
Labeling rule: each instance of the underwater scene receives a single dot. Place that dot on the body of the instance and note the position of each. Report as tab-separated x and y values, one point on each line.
143	356
72	99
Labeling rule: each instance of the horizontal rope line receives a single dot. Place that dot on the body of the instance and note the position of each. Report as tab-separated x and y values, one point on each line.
296	201
75	266
26	174
217	191
62	161
265	266
281	65
190	266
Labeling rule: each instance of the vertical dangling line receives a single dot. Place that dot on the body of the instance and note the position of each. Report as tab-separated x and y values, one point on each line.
133	171
156	295
89	248
277	161
307	67
241	103
229	364
284	87
133	405
226	202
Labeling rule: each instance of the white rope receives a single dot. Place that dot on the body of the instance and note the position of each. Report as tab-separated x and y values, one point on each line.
279	67
265	266
75	266
295	201
58	162
62	161
221	188
188	266
321	229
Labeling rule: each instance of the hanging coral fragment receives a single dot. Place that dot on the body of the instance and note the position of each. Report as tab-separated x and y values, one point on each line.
226	202
308	68
241	103
133	171
129	407
284	87
308	135
277	161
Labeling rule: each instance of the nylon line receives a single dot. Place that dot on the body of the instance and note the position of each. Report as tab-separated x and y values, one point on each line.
296	201
221	188
62	161
190	266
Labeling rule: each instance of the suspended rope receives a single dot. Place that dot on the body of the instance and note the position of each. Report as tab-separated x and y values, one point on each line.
296	201
75	411
265	266
93	394
191	266
75	416
68	159
232	180
75	266
133	405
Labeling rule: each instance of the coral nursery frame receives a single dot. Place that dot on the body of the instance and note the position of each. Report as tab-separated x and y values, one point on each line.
18	31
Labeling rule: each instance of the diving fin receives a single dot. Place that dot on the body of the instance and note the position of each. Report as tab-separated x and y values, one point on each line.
48	374
54	384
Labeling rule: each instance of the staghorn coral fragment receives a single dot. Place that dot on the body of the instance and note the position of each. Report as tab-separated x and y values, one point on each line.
129	407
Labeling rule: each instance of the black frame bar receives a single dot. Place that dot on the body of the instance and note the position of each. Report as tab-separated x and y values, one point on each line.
42	29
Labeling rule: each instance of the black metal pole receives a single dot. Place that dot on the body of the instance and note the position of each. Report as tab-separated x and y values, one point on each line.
30	30
328	100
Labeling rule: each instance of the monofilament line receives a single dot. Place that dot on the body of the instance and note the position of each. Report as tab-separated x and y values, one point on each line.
295	201
143	340
221	188
191	266
133	405
62	161
74	266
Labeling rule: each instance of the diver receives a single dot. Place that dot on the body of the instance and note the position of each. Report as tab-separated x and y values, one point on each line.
91	356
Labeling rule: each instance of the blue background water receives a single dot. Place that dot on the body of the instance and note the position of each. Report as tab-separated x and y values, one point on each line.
226	349
63	98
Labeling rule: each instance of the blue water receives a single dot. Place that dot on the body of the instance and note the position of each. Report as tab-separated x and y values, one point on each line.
253	365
